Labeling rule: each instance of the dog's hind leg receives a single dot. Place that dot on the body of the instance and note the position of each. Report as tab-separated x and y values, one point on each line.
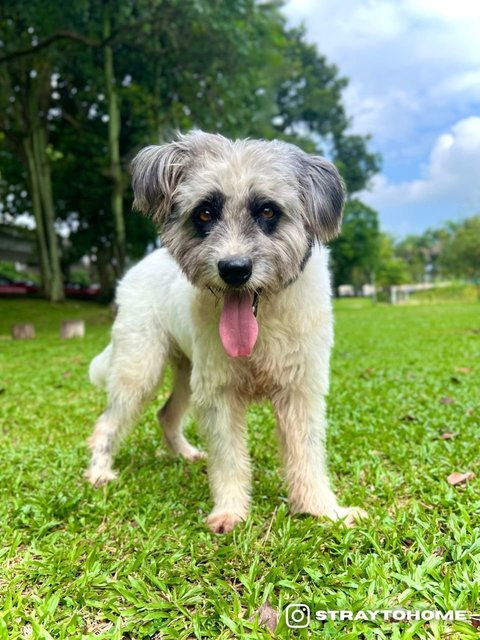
135	369
171	414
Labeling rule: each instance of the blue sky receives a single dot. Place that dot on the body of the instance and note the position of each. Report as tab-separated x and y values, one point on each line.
414	70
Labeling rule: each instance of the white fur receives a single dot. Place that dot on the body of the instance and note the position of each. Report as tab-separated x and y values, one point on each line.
161	316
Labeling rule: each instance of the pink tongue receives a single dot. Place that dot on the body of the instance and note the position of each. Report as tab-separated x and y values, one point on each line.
238	326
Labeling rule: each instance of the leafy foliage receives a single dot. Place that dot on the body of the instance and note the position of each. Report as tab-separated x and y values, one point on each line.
363	254
355	254
142	70
461	251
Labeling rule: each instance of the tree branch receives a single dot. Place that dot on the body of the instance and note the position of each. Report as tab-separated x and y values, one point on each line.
59	35
78	37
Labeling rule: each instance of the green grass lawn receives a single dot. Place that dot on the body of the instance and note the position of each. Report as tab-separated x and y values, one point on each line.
135	560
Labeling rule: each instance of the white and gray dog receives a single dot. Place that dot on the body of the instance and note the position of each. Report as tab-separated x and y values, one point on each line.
238	301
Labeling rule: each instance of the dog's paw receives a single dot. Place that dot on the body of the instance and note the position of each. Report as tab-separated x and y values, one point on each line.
223	522
191	453
350	515
97	476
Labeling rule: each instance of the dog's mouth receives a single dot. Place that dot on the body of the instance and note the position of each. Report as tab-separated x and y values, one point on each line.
238	327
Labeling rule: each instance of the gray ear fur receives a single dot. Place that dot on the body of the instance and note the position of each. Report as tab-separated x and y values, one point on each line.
156	172
323	192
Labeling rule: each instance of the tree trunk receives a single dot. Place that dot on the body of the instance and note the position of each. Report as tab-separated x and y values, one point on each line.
40	179
37	212
102	265
45	183
374	285
114	124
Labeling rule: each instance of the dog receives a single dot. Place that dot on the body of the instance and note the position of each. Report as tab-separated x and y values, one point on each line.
237	299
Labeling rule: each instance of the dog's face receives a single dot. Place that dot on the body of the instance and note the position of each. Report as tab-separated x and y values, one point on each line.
239	218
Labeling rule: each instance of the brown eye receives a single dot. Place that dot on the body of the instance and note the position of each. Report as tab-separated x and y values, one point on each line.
267	213
205	215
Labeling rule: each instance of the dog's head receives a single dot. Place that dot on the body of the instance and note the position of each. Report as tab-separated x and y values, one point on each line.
240	218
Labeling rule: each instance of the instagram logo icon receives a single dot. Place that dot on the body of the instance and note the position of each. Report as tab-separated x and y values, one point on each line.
297	616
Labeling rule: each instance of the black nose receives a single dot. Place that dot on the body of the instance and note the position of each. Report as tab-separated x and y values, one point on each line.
235	270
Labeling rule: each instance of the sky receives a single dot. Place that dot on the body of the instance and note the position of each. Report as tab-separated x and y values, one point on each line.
414	70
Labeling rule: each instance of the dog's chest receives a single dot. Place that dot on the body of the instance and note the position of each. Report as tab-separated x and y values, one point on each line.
290	339
278	361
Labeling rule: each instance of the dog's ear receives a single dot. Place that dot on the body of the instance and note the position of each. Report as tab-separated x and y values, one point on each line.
323	193
156	172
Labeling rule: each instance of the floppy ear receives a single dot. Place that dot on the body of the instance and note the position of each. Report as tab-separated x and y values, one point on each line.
156	172
323	192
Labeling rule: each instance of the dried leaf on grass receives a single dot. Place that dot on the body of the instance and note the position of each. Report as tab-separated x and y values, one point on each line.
267	616
464	370
475	622
459	478
447	435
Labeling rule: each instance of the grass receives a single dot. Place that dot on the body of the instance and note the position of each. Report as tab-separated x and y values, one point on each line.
135	560
457	292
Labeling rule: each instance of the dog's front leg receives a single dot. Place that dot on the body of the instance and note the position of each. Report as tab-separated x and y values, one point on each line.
223	418
301	427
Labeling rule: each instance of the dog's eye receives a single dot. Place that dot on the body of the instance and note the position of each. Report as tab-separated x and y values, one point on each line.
267	213
205	215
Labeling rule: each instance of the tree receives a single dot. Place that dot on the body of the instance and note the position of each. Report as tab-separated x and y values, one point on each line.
414	251
114	125
25	100
391	269
420	253
143	68
356	164
168	71
461	251
355	253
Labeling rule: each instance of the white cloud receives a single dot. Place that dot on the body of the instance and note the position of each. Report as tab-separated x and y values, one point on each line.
403	57
388	117
451	175
445	9
462	83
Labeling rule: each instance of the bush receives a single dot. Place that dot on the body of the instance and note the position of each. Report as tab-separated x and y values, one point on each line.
8	270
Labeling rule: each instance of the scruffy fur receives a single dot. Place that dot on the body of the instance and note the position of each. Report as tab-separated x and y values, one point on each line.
170	304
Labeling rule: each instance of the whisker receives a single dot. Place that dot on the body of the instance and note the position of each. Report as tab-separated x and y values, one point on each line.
212	291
